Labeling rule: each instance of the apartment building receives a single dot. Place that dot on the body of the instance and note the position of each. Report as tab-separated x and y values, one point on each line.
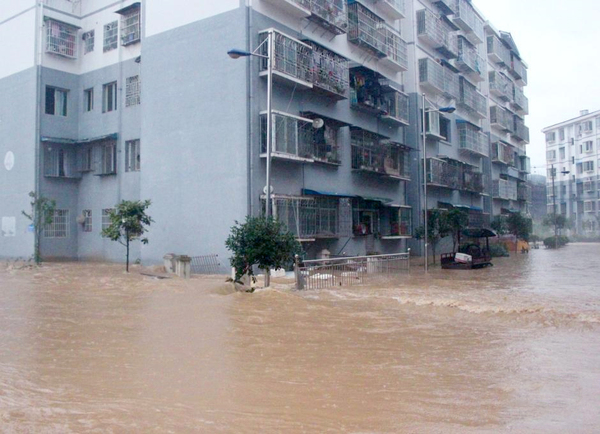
573	177
114	100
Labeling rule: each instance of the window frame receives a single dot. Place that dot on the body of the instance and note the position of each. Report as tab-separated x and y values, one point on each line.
51	105
106	217
60	217
133	90
88	100
87	222
89	39
132	150
110	100
111	36
108	163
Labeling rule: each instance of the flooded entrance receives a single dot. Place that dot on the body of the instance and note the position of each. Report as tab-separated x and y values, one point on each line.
87	348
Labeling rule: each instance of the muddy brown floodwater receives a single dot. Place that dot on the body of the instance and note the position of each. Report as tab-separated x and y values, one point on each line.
86	348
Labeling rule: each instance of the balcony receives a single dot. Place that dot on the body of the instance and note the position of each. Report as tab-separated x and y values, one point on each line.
469	61
501	86
518	70
525	164
521	132
396	50
472	180
497	51
445	174
295	8
330	14
520	101
366	30
467	19
329	72
325	139
293	137
61	38
292	62
501	119
396	222
445	6
502	153
310	218
61	162
394	9
471	100
504	189
524	193
396	104
437	79
372	153
435	32
472	140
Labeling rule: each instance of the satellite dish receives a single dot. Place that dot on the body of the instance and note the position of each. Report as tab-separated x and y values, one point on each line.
318	123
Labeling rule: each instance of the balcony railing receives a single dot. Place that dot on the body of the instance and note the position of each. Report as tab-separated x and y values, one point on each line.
502	153
61	38
517	69
437	79
525	165
473	181
366	29
293	59
293	137
471	139
330	14
521	131
501	86
497	51
504	189
441	173
445	6
374	154
314	217
396	50
520	101
434	31
466	18
329	72
524	193
396	104
501	118
469	61
471	100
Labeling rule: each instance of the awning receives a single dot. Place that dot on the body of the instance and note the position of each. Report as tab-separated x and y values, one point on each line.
478	233
66	141
310	192
127	9
383	200
470	208
312	115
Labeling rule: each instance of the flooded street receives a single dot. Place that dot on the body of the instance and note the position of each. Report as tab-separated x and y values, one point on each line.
515	347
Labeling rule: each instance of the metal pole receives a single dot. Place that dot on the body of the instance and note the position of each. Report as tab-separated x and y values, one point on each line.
554	208
269	137
426	236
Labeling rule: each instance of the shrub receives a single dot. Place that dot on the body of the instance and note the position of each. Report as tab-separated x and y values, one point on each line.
498	251
551	242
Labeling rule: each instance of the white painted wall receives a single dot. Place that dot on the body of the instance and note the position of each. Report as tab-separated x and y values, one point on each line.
10	8
162	16
17	49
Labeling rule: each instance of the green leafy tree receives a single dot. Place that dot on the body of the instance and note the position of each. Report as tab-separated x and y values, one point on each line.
499	225
456	220
559	220
263	242
128	222
437	228
41	215
519	225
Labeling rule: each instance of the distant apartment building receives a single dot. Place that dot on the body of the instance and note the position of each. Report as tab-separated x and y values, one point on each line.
573	177
139	100
539	197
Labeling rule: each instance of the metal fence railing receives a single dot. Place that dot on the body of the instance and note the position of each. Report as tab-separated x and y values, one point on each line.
348	271
207	264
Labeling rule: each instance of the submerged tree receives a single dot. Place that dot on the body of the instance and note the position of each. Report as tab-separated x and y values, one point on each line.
263	242
42	215
128	222
457	220
519	225
438	228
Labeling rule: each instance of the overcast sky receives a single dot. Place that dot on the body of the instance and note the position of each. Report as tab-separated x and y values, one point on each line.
559	40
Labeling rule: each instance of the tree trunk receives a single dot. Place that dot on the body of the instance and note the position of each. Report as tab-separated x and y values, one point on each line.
127	262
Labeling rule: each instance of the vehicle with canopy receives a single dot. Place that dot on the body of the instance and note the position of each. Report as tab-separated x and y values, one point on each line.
474	253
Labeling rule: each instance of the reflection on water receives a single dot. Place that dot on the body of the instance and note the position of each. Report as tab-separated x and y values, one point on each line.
87	348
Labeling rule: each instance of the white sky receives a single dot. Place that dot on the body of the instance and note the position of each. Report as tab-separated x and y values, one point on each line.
559	41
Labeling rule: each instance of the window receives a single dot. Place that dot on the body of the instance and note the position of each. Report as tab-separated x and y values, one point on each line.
106	217
59	228
56	101
59	162
132	156
562	153
87	220
109	97
588	127
88	99
61	39
550	137
551	155
588	166
111	36
86	159
579	168
445	128
588	186
132	91
589	146
561	134
88	42
563	189
130	26
109	159
589	206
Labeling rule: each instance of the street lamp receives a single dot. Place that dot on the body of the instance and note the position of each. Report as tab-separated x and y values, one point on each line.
424	139
553	174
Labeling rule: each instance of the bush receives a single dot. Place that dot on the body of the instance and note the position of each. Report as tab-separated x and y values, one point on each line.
551	242
498	251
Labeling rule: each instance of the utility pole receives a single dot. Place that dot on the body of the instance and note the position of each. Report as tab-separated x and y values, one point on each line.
553	173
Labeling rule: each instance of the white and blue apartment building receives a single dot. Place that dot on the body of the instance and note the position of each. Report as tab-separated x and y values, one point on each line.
109	100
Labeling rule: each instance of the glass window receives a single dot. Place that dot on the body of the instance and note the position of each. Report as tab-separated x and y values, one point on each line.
109	97
56	101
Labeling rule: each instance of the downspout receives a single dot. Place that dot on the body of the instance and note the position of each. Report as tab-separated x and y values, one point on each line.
416	130
39	15
120	108
249	98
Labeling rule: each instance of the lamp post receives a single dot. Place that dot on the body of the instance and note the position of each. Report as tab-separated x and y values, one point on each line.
424	140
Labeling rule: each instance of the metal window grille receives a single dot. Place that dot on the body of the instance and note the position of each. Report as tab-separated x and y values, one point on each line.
59	228
326	147
111	36
501	86
292	135
504	189
497	51
109	97
520	101
471	100
331	14
61	39
87	222
469	60
132	156
438	79
472	140
395	48
132	91
437	33
466	18
106	217
521	131
330	71
88	41
292	57
366	29
396	104
207	264
130	27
